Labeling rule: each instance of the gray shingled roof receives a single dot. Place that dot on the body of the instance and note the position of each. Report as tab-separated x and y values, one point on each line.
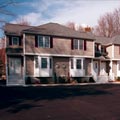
56	29
108	41
116	39
46	29
103	40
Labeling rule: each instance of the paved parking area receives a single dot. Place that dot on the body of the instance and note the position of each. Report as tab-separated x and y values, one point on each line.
80	102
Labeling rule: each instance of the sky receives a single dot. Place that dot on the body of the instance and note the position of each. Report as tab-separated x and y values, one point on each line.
38	12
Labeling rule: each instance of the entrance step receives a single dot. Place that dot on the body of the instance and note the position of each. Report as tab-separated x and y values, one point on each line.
15	80
102	79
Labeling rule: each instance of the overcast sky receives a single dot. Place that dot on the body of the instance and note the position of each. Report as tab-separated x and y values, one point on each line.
61	11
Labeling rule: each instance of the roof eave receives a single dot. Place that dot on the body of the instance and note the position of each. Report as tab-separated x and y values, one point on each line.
37	32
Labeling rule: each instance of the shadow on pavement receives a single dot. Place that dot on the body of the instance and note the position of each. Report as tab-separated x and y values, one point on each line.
13	98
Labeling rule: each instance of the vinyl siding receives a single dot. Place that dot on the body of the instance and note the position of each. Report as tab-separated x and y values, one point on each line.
60	46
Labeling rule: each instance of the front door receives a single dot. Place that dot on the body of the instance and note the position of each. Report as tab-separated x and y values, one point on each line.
15	71
15	67
61	67
103	68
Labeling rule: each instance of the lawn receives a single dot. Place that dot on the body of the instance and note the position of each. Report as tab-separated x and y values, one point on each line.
80	102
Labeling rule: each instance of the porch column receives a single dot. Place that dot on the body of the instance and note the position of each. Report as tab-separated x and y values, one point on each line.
24	59
24	68
92	67
111	75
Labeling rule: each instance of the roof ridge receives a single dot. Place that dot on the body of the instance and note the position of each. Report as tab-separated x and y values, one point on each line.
18	24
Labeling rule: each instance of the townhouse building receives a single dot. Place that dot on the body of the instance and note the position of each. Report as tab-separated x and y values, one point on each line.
53	53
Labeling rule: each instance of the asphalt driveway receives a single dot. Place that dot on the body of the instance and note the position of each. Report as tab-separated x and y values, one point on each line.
86	102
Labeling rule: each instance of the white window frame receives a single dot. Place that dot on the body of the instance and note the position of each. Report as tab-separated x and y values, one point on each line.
77	72
17	38
74	60
44	40
43	72
79	42
36	62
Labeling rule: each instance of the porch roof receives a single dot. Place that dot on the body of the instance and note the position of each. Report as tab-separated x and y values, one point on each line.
14	29
102	58
107	41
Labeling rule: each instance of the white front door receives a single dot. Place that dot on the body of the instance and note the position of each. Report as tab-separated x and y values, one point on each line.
15	67
95	69
15	72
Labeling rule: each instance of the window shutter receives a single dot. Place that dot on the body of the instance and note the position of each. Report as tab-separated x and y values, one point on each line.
20	40
72	44
51	42
85	45
22	61
105	49
10	40
36	41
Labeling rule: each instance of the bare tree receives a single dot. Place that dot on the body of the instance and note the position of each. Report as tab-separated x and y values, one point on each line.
116	18
71	25
108	24
23	21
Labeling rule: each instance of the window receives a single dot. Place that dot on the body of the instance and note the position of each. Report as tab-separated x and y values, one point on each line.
78	64
78	44
75	44
81	44
36	62
50	63
15	41
43	62
103	49
44	41
72	65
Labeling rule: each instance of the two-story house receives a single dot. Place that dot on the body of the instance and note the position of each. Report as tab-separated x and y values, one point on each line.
106	64
51	53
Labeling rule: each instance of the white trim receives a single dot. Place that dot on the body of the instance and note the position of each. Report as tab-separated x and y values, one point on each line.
93	49
17	40
77	72
118	70
92	66
23	43
43	40
24	68
79	41
58	55
115	59
111	65
112	51
43	72
24	59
